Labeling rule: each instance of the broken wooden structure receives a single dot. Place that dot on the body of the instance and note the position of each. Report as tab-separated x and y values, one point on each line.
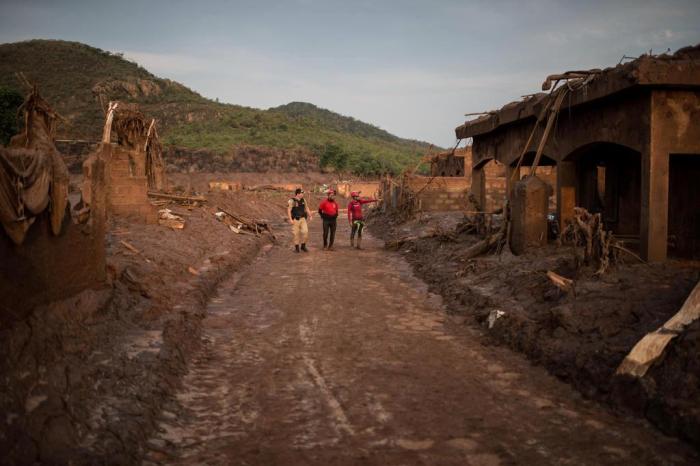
51	243
242	224
624	142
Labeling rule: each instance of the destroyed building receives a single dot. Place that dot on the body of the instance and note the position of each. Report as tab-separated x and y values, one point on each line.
452	162
624	142
134	162
448	186
51	243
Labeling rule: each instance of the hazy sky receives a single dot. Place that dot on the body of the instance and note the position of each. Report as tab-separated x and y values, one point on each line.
411	67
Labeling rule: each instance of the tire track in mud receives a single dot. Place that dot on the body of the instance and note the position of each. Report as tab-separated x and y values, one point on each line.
345	358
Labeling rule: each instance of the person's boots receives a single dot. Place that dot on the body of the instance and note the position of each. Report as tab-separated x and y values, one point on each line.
296	248
352	242
359	242
303	247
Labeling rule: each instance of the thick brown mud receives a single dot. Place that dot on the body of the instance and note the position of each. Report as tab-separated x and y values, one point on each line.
345	357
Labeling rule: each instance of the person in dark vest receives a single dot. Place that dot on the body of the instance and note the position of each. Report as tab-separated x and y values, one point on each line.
328	210
298	213
356	219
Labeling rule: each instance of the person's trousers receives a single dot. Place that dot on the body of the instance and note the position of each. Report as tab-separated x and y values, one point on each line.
329	232
357	227
300	231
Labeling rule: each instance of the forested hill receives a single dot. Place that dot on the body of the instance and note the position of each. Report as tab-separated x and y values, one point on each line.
71	76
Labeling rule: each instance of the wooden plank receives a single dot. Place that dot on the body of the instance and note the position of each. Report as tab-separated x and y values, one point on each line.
650	348
176	197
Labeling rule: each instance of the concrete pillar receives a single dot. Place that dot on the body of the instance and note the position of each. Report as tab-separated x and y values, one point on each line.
478	187
566	192
654	210
529	201
655	167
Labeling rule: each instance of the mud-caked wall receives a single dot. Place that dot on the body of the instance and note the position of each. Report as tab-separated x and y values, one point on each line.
48	267
128	185
495	178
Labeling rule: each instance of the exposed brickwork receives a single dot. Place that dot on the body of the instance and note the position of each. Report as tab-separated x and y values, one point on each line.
440	193
128	192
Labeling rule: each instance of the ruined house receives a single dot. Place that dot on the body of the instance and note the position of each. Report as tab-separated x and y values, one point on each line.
134	162
624	141
51	245
447	188
452	162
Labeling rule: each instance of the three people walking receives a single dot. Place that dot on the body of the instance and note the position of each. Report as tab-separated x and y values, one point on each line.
299	215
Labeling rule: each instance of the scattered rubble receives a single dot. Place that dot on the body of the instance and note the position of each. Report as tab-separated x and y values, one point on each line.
170	220
559	311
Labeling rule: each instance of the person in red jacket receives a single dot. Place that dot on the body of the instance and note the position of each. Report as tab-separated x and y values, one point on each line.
356	219
328	209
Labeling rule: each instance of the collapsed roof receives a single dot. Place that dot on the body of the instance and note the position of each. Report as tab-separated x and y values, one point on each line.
681	69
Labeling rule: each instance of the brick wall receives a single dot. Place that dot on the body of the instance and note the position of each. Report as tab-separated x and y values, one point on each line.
440	193
128	192
548	174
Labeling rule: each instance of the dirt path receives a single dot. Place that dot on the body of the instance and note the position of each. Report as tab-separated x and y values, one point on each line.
344	358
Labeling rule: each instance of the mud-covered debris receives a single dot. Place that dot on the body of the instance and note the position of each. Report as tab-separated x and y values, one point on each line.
563	283
167	218
133	249
593	245
225	186
494	316
241	224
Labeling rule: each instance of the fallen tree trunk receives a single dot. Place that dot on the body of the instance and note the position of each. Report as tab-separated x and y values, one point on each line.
650	348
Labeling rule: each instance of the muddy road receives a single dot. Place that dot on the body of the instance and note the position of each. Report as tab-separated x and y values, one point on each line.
345	358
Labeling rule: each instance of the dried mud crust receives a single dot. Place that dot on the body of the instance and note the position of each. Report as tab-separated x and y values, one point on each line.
83	378
580	339
345	358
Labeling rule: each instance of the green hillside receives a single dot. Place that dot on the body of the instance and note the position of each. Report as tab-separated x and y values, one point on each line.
72	77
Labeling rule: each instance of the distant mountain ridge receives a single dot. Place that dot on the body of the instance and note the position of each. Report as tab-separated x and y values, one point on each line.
336	121
73	77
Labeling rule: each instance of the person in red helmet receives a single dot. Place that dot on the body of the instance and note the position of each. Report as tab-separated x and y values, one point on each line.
356	219
328	210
